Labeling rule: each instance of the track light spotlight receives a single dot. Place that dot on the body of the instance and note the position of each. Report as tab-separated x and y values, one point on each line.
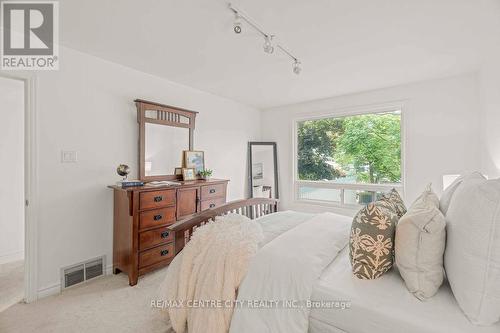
297	67
237	24
270	41
268	44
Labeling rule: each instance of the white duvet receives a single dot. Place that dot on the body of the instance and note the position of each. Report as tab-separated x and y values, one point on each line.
294	250
283	272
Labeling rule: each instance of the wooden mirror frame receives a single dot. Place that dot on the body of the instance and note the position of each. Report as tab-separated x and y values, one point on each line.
165	115
250	167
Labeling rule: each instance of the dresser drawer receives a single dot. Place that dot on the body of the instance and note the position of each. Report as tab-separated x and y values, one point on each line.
156	199
152	238
156	255
212	203
156	218
213	191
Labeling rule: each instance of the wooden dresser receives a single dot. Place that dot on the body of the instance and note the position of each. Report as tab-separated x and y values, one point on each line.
141	240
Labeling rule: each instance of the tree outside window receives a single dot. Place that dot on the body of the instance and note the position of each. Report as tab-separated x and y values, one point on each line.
360	149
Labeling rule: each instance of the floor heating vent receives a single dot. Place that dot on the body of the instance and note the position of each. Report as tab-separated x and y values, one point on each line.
82	272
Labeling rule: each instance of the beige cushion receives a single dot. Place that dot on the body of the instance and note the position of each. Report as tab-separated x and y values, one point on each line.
371	246
446	197
420	243
472	255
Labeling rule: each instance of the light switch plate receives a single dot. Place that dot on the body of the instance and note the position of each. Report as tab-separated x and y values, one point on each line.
69	156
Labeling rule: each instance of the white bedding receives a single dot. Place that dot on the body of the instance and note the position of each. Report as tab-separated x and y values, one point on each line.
323	273
286	269
370	311
384	305
275	224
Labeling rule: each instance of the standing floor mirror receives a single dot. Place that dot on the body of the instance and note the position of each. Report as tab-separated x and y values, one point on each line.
263	170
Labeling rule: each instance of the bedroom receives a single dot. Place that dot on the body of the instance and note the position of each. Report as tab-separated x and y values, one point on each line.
436	62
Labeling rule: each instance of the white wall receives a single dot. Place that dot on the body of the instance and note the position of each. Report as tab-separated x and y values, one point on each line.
87	106
489	87
11	170
441	127
490	103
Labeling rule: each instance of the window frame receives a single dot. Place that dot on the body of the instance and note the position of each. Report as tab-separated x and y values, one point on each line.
340	113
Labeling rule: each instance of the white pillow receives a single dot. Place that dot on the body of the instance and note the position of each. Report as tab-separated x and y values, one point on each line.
472	255
420	242
445	201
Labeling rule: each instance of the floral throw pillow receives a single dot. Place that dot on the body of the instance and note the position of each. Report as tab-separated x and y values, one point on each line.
395	200
371	246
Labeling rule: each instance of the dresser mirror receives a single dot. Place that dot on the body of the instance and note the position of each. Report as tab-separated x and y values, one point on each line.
263	170
163	148
164	133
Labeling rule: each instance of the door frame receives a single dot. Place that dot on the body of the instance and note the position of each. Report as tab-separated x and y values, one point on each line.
30	182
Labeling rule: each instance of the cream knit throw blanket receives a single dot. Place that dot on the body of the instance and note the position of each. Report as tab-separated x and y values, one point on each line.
210	268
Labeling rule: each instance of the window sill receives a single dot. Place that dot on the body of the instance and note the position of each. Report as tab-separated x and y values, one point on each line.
342	202
310	206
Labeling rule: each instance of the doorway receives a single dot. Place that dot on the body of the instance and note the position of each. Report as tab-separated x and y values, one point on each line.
12	191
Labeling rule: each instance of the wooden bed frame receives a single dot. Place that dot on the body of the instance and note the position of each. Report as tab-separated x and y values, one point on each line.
251	208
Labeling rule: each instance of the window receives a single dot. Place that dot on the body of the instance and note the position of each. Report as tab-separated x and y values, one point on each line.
349	160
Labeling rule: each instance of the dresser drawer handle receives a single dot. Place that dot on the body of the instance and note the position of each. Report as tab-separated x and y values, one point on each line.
158	198
212	190
165	234
157	217
163	253
212	205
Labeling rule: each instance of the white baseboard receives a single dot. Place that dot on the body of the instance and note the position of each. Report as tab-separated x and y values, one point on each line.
56	288
49	291
10	257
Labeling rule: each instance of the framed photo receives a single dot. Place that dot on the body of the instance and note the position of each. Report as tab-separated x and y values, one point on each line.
178	171
257	171
188	174
194	159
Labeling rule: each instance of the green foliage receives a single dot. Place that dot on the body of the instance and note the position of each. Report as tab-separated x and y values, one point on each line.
206	173
365	147
316	145
372	144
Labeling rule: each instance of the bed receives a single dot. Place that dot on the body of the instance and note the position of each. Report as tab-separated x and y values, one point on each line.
381	305
384	305
252	208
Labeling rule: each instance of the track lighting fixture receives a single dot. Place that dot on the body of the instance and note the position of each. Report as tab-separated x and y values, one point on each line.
237	23
296	67
269	44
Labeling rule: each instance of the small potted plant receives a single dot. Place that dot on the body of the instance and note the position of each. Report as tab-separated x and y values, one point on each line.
206	174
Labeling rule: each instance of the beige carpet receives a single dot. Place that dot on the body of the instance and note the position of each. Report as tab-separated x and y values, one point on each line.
11	284
107	304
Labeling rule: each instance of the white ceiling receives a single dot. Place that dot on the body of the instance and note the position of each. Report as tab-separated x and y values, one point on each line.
345	45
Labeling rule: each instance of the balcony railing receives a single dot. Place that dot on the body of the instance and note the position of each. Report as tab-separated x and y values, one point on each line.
338	194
